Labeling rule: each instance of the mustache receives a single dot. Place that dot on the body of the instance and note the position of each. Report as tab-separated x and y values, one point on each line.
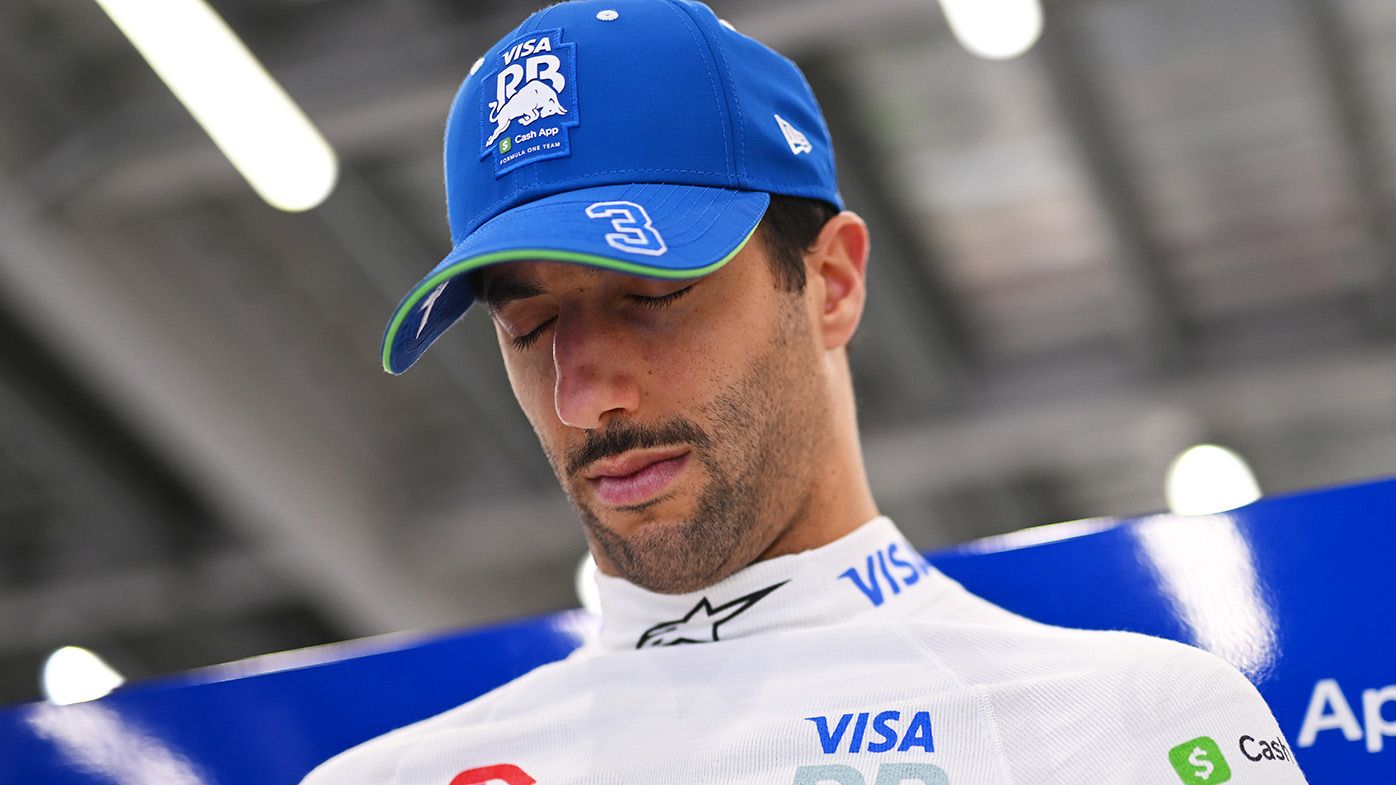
621	437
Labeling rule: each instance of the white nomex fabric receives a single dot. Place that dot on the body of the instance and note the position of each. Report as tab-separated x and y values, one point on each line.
856	663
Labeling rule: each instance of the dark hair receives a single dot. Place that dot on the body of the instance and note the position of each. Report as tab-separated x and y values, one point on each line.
788	229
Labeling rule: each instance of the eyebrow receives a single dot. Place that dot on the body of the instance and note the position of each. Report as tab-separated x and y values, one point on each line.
502	291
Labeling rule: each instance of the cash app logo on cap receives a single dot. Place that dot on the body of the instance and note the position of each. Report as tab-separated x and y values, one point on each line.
1199	762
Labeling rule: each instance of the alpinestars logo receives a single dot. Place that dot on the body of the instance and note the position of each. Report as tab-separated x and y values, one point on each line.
535	83
701	624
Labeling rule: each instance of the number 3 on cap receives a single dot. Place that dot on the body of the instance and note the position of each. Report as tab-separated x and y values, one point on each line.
633	231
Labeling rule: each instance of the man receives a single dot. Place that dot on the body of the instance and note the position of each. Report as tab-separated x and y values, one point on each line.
645	200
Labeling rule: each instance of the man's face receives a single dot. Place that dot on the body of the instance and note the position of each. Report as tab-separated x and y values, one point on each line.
682	418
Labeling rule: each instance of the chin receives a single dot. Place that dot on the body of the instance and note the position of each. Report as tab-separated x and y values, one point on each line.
646	521
676	555
679	543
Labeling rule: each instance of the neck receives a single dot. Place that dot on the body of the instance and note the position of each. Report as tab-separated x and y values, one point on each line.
840	499
871	573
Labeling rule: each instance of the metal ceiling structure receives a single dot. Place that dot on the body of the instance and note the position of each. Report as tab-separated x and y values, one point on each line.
1167	223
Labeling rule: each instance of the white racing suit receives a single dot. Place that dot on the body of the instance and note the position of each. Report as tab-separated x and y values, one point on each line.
856	663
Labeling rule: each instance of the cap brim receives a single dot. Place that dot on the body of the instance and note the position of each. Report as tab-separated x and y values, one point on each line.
658	231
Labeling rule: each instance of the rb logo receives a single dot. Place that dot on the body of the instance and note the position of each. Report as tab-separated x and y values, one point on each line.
887	774
535	81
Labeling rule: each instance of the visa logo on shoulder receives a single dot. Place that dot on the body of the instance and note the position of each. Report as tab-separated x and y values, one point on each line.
850	732
885	570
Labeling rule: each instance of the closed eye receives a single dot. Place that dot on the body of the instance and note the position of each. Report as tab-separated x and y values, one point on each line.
525	341
656	303
650	303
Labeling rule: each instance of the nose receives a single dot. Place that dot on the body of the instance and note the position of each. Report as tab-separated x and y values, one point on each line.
596	372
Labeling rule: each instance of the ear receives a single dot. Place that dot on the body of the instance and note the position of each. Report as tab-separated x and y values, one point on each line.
837	265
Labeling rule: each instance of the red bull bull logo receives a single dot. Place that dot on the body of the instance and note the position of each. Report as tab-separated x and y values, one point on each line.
534	101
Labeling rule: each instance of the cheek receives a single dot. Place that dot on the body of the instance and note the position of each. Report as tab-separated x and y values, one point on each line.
681	364
532	383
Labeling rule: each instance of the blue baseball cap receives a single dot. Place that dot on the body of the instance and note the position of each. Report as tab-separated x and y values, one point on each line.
643	136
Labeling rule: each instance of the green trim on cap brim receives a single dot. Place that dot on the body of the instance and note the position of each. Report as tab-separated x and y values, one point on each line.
544	255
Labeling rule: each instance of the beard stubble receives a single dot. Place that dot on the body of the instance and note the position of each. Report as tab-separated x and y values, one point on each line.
759	454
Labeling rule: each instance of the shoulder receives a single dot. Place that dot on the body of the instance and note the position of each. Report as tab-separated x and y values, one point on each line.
1106	673
373	761
1108	704
376	761
993	646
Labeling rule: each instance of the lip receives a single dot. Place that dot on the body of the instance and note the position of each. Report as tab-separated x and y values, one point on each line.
636	477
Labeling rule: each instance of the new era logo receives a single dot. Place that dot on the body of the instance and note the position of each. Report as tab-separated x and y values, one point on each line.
798	142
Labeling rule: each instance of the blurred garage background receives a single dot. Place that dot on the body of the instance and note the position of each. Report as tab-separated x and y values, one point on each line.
1163	224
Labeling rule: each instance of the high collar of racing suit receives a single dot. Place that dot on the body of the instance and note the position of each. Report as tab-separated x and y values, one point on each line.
872	571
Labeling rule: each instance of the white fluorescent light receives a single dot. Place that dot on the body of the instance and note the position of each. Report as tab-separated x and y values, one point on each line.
73	675
1206	478
994	29
587	592
246	113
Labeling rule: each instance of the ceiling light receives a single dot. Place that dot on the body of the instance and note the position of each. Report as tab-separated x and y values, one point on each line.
73	674
1206	479
258	127
994	29
587	593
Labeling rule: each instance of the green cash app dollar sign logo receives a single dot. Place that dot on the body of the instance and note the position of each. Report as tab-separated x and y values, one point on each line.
1199	762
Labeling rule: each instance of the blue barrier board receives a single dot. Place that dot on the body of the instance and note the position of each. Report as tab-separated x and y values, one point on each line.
1297	591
